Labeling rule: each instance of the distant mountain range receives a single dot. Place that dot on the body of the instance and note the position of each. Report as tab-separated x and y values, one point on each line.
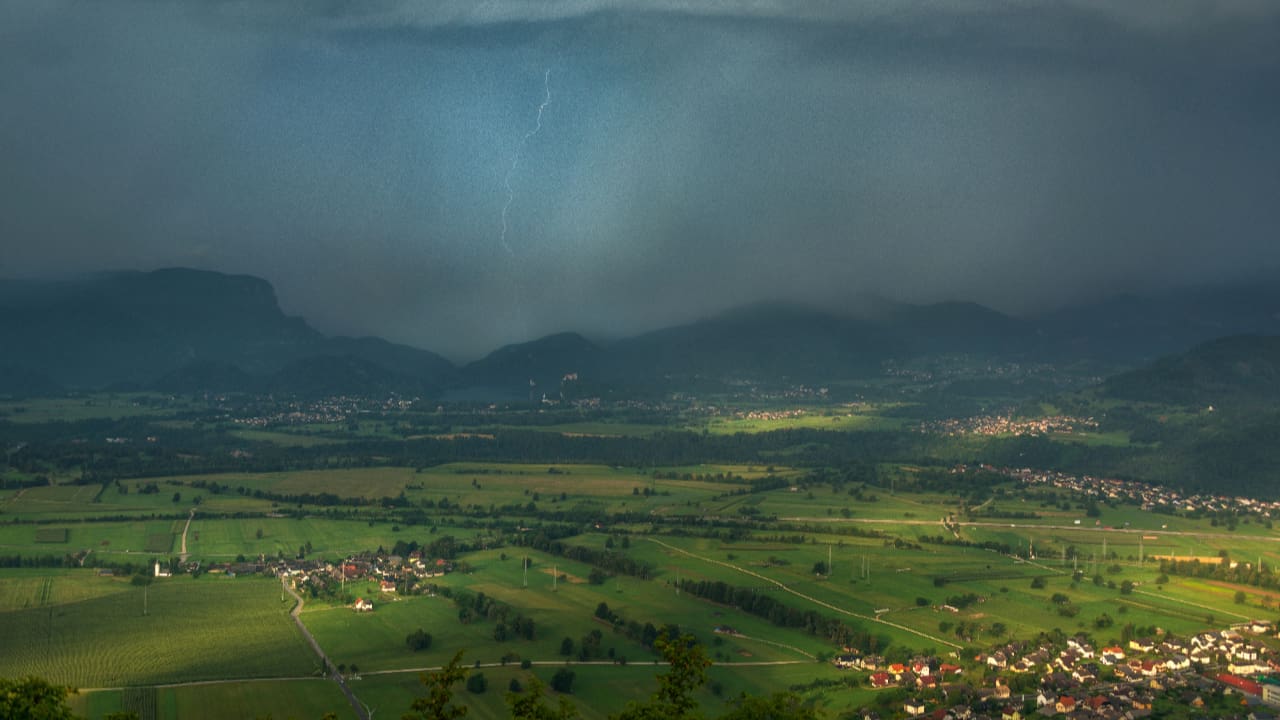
184	330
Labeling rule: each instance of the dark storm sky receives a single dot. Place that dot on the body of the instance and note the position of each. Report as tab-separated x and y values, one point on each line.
1018	154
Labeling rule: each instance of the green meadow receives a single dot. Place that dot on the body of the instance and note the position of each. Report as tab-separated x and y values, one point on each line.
78	628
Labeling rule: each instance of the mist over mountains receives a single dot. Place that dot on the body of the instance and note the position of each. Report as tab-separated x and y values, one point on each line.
184	330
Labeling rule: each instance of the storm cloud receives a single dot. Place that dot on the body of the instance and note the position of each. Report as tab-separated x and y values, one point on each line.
693	157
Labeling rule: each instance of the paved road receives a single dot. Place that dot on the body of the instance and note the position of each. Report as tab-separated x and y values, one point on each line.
324	659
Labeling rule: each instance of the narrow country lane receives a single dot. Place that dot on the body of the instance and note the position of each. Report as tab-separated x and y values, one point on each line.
183	555
296	614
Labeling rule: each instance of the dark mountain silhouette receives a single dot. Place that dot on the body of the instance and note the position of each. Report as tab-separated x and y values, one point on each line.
1129	329
175	326
540	364
189	330
1242	369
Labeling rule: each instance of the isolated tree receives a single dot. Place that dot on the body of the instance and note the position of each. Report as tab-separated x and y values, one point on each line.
477	683
566	646
418	640
562	681
33	698
437	704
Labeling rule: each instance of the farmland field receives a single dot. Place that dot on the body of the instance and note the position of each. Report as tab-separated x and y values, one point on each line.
877	558
78	628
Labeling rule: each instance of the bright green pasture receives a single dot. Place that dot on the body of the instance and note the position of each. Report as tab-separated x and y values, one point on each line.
611	489
120	541
224	538
61	500
816	420
76	628
375	641
302	699
361	482
897	577
598	690
88	501
820	502
588	429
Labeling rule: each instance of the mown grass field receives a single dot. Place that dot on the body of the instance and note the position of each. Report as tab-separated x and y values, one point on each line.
303	699
120	541
76	628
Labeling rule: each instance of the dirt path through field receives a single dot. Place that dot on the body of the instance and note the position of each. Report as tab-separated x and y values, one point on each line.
183	555
295	613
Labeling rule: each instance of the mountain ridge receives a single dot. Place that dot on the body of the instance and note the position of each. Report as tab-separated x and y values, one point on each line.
181	328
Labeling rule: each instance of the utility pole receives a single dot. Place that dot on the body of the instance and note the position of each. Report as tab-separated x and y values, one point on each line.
828	561
555	578
525	563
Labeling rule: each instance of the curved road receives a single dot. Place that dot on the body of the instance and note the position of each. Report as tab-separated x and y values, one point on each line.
324	659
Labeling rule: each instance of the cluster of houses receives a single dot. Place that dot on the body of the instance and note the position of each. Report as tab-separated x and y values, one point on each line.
1078	681
1151	497
393	573
992	425
334	409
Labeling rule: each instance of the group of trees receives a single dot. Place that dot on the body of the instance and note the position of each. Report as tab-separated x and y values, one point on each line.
783	615
674	699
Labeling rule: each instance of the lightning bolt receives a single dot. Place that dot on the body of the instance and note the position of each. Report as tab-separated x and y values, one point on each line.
515	160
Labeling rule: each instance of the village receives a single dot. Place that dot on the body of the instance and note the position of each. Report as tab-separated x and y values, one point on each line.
1153	498
1068	677
395	575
